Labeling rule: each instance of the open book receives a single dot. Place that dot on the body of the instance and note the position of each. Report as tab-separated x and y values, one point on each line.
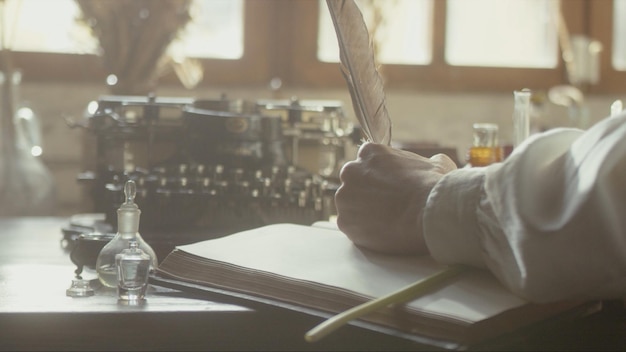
320	269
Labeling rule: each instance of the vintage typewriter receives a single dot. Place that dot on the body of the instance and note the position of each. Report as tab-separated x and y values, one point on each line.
207	167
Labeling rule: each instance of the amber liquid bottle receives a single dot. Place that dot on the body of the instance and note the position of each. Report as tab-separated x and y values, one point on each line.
485	149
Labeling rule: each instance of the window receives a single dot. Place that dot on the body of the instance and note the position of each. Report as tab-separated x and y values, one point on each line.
606	25
407	39
437	73
527	50
494	33
215	31
512	33
619	36
49	31
434	45
46	26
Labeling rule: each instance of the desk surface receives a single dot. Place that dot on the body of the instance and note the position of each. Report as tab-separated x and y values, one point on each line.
36	314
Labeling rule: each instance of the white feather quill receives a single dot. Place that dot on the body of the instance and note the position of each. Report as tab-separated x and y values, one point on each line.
359	70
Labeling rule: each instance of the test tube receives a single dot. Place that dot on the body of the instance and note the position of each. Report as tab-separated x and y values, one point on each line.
616	107
521	116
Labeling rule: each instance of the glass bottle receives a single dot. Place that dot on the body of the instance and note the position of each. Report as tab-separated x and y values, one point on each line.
485	149
27	187
133	267
521	116
127	231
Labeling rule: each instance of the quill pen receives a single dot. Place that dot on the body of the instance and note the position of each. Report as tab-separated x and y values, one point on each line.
403	295
368	99
359	70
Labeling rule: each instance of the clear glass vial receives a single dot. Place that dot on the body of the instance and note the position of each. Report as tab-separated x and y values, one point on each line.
485	149
133	268
521	116
127	232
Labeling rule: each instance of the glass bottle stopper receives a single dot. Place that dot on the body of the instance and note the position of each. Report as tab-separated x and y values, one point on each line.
128	213
130	191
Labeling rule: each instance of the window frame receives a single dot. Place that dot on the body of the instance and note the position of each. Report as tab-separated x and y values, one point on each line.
438	75
280	41
601	28
251	68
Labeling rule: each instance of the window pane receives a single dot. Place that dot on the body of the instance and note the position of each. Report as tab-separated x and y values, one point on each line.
511	33
619	35
407	39
216	29
46	26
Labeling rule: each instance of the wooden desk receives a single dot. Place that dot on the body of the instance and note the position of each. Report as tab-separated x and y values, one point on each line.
36	314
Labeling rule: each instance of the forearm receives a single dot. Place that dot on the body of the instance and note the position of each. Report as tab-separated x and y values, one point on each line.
451	227
547	222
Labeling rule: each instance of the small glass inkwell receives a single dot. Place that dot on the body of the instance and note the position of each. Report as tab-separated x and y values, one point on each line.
485	149
127	233
133	267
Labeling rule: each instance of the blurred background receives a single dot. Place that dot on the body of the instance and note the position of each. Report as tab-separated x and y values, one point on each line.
446	64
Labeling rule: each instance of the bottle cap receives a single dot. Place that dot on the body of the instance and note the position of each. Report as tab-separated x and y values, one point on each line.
128	213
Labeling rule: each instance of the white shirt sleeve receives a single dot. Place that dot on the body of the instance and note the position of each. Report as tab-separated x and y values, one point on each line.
549	222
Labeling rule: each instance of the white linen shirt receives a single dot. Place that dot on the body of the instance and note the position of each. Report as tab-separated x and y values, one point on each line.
549	222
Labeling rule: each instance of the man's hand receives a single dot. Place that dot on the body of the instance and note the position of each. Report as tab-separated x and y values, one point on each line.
382	196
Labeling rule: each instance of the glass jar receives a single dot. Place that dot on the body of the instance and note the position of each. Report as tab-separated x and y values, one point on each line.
133	268
127	232
485	149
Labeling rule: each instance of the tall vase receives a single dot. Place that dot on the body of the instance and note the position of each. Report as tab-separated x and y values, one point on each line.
26	185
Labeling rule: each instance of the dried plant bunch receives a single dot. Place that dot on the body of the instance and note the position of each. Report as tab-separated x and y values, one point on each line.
134	36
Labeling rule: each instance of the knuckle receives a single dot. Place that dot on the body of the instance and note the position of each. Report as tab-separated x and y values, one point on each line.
367	149
348	171
443	162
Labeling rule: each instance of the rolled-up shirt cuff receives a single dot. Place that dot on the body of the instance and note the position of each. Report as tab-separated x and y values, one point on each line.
450	223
